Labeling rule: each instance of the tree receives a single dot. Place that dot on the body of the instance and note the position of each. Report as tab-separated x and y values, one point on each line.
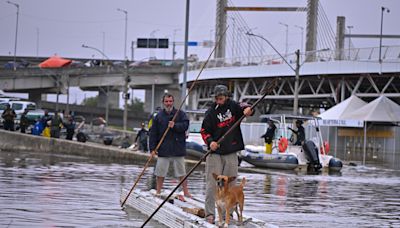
137	106
91	101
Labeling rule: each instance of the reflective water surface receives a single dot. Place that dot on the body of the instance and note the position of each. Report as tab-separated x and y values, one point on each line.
39	190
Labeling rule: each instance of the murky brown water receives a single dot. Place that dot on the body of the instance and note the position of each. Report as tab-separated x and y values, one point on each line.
38	190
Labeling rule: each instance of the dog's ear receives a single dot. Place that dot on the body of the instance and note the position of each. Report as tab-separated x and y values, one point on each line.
230	179
215	176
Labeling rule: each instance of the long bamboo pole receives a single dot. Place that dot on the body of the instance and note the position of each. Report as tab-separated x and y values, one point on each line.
154	152
267	90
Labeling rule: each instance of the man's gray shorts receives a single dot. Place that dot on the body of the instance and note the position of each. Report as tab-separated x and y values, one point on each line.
162	166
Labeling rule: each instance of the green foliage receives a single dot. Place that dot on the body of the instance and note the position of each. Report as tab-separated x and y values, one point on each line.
137	106
91	101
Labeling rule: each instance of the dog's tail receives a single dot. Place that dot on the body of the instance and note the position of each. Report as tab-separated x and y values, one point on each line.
243	182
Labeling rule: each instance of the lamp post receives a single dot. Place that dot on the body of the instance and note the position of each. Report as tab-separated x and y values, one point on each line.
185	52
16	34
173	44
296	70
380	38
96	49
104	56
126	29
302	36
287	37
349	28
37	41
152	36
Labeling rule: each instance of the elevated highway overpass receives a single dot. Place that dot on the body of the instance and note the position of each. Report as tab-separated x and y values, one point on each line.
108	80
323	83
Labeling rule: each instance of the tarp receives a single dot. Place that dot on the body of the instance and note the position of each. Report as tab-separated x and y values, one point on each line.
382	109
55	62
345	107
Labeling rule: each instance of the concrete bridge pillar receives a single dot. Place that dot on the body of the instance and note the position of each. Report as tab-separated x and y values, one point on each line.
340	31
113	99
312	26
36	96
150	105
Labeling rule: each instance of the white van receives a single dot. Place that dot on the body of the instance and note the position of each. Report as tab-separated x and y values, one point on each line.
18	106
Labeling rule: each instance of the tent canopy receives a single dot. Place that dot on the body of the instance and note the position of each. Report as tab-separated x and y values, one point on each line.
345	107
382	109
55	62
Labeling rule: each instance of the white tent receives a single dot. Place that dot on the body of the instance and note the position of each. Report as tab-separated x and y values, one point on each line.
334	115
382	109
345	107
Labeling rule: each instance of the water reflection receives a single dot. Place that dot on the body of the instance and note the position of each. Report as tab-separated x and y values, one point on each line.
56	190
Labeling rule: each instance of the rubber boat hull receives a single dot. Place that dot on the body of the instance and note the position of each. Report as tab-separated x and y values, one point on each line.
273	161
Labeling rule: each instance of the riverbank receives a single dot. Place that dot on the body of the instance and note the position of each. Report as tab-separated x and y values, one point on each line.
15	141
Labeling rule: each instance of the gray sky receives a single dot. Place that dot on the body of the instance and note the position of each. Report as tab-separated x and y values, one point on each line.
65	25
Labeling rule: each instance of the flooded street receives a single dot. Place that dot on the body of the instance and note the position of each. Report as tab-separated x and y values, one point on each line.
40	190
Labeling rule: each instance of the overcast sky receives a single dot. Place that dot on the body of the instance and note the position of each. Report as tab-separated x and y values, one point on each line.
63	26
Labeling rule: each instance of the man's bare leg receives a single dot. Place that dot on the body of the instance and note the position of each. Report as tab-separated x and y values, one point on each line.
185	188
160	182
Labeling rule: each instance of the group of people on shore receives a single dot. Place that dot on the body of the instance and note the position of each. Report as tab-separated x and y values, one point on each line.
47	125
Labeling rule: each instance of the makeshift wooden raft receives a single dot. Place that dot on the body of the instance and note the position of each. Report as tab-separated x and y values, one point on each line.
176	213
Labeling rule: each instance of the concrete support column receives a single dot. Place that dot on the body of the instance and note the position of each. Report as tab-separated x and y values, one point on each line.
36	96
159	92
340	31
113	99
312	25
194	101
220	28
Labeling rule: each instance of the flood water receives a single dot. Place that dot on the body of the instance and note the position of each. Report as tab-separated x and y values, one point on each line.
41	190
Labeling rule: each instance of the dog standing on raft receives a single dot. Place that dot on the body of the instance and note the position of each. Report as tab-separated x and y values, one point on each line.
228	197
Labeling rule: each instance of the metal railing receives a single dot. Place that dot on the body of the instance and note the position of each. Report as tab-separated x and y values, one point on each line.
389	54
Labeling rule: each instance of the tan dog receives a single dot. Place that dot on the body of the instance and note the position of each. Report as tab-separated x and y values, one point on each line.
229	196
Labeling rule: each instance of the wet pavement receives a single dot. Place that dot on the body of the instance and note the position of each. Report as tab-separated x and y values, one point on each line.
41	190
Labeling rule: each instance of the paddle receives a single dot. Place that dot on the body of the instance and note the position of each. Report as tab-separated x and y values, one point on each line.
266	91
154	152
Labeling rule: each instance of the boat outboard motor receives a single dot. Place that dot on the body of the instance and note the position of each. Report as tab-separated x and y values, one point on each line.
311	152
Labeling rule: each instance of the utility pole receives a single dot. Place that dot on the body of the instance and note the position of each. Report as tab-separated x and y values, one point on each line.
185	65
349	27
296	70
37	42
296	84
126	30
16	35
302	37
126	94
380	38
287	38
174	44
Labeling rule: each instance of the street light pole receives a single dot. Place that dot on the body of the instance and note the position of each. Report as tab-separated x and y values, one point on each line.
296	70
107	92
185	59
302	36
96	49
349	27
16	35
126	30
173	44
37	41
380	38
287	37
